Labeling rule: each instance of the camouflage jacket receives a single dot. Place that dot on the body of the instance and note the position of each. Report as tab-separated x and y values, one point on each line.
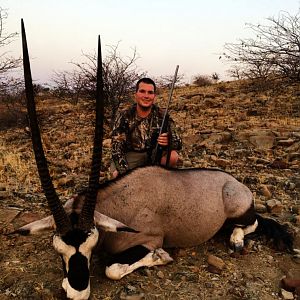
133	133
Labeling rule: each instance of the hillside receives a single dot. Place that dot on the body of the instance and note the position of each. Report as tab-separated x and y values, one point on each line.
250	132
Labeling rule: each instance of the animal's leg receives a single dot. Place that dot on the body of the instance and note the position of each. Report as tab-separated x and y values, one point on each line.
239	209
237	236
153	258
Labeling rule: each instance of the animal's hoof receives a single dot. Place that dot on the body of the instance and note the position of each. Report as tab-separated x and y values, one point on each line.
116	271
237	247
162	257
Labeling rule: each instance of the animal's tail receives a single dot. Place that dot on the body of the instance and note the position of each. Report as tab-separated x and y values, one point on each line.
279	234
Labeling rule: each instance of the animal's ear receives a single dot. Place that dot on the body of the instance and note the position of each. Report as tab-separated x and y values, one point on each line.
37	226
108	224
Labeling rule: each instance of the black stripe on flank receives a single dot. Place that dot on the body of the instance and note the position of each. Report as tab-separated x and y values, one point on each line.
129	256
248	218
127	229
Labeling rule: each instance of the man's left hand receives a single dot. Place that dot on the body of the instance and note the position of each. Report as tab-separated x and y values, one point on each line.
163	139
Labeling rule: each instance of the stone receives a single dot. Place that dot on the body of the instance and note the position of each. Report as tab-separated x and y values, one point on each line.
214	270
216	262
7	216
160	274
286	142
262	141
287	295
297	220
293	156
279	164
260	208
274	206
264	189
66	181
296	209
296	180
222	162
125	296
107	143
187	163
4	194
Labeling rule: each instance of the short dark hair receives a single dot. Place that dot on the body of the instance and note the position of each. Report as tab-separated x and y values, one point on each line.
145	80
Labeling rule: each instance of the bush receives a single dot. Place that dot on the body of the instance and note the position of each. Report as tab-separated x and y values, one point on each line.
202	80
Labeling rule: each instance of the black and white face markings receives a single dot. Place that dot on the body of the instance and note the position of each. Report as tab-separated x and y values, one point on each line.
75	249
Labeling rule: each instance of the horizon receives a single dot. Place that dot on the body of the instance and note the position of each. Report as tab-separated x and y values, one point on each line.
190	34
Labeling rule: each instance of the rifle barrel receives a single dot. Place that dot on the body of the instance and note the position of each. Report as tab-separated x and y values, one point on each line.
169	100
155	152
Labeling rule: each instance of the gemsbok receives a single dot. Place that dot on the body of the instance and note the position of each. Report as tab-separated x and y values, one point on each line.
137	215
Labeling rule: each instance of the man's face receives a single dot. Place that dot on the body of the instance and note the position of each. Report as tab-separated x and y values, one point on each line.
145	95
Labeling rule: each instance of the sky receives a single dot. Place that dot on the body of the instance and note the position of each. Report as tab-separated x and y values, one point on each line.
165	33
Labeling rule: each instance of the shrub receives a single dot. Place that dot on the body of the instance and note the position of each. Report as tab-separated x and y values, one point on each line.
202	80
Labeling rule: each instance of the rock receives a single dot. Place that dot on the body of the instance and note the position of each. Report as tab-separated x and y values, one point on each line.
296	209
222	162
297	220
4	194
107	143
274	206
216	138
287	295
265	191
279	164
71	165
214	270
296	180
7	216
66	181
125	296
28	217
262	140
260	208
250	180
160	274
293	156
216	264
187	163
286	143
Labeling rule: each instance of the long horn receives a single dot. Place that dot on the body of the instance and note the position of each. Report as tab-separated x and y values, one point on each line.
62	221
86	220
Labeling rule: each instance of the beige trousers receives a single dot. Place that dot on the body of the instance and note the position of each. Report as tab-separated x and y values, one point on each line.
134	159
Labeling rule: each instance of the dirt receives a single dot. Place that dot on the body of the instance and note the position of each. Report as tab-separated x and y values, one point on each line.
220	126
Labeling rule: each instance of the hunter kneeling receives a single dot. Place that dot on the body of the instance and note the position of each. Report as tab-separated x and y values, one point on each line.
135	136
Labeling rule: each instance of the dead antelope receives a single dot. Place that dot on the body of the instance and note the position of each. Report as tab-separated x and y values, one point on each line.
165	208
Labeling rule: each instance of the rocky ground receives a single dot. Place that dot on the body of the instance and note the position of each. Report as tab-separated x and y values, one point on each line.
251	131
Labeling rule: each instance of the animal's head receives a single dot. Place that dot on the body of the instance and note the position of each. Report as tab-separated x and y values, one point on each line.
76	233
75	246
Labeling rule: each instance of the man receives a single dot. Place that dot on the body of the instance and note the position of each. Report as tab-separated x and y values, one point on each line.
135	132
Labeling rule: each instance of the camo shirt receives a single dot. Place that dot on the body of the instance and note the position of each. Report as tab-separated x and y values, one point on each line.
133	133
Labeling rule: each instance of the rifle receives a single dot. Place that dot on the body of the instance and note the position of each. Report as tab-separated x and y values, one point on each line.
157	153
